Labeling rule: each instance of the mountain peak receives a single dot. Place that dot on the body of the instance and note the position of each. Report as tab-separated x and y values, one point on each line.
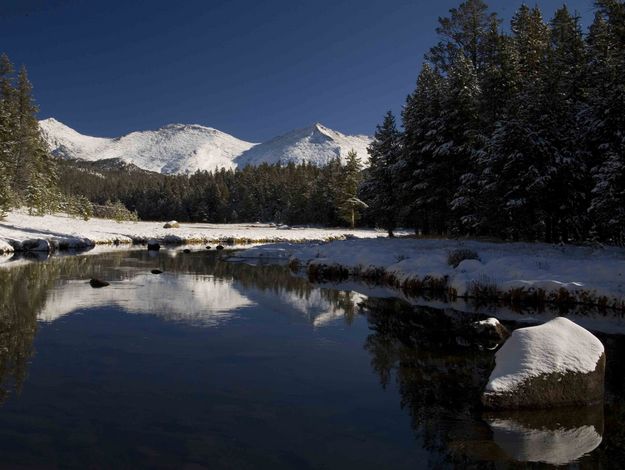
316	144
50	120
186	148
321	129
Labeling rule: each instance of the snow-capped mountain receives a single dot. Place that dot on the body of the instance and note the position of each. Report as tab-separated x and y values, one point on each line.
179	148
316	144
175	148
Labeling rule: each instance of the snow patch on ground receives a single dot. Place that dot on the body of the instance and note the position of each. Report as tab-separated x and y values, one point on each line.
558	346
598	271
18	226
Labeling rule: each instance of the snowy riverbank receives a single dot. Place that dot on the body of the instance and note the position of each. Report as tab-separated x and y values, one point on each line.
70	233
511	271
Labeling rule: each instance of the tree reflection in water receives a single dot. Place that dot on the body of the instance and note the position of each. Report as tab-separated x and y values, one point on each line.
27	281
440	376
439	373
22	294
438	379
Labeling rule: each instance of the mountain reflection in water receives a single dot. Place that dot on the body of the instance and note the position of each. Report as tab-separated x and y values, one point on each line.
419	362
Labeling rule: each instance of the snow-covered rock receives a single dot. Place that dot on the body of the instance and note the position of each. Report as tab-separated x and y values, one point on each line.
38	244
180	148
555	364
316	144
491	330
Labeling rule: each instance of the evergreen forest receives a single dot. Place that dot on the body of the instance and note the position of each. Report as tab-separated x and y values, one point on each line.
514	131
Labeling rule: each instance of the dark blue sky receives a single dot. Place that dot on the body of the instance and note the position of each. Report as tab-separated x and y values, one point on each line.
252	68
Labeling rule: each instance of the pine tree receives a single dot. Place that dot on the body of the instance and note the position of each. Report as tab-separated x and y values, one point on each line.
34	175
379	189
531	37
421	116
325	193
349	205
459	124
598	82
441	122
7	137
463	32
499	77
440	133
498	82
6	196
27	132
565	192
605	118
608	195
41	194
515	172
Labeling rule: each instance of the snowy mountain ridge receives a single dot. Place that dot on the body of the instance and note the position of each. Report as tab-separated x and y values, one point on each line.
316	144
175	148
186	148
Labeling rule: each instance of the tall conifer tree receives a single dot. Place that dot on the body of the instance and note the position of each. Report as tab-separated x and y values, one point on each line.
606	119
379	190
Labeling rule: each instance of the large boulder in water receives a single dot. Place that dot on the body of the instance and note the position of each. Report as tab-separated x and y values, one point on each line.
490	330
153	245
98	283
558	363
38	244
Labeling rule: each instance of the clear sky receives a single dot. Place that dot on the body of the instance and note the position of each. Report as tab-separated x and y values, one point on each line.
252	68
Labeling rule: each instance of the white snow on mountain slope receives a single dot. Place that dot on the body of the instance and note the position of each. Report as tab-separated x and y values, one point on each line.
175	148
179	148
316	144
65	142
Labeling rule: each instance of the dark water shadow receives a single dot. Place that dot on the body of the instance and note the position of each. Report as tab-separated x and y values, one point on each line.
419	351
440	378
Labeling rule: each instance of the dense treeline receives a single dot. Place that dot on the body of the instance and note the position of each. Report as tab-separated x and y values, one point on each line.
292	194
518	135
31	177
514	133
27	171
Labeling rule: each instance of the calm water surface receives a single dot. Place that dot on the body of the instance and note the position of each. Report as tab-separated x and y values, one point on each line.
220	365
